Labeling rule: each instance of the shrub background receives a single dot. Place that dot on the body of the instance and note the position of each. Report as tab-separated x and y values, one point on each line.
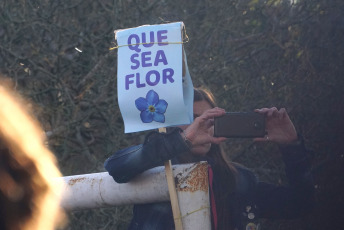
250	53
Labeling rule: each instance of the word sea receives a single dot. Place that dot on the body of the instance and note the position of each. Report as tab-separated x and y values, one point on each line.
140	60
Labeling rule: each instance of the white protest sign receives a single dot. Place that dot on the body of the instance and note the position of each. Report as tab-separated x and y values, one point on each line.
152	91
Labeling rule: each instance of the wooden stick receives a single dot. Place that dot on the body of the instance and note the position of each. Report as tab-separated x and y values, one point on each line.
173	193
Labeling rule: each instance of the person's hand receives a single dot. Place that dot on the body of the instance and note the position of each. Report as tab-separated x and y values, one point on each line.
279	127
200	131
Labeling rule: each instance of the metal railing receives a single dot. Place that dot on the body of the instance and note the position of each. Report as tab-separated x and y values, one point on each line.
100	190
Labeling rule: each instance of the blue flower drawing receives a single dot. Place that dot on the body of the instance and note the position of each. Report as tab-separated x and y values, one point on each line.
152	109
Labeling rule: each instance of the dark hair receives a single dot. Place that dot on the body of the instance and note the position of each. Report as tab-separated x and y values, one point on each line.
224	185
27	167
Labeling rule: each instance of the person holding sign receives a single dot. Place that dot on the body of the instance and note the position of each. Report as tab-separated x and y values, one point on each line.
238	198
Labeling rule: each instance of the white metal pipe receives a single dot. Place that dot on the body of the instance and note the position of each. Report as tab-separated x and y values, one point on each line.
100	190
193	195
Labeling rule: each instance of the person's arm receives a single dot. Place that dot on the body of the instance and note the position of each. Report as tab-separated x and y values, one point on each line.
298	198
157	148
292	201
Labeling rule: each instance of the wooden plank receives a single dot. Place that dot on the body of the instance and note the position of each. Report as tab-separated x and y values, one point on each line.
172	191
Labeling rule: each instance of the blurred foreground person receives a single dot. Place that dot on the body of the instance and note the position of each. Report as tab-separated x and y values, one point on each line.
28	199
237	197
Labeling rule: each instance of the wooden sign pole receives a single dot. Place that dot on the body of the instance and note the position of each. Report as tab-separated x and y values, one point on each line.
173	193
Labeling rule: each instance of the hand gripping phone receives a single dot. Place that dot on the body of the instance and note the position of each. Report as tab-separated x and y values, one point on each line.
240	125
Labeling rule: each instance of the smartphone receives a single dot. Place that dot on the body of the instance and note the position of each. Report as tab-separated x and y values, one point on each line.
240	125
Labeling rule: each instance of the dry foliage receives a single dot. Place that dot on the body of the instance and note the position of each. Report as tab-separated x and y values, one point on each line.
250	53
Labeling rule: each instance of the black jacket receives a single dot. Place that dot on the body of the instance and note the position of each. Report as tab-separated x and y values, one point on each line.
253	199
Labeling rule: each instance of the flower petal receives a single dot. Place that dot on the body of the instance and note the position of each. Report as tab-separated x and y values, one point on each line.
152	97
159	117
146	116
141	104
161	106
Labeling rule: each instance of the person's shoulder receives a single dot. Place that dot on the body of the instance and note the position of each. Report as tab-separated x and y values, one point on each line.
241	169
245	178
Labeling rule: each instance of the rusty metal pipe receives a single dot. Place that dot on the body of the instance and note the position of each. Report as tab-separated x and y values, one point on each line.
100	190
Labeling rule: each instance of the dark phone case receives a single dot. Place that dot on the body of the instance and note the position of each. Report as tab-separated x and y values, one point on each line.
240	124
